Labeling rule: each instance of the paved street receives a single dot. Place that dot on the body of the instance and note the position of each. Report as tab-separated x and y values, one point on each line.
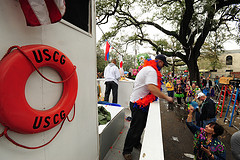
177	139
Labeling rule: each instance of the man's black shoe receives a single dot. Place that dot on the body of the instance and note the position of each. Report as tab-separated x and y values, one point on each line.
127	156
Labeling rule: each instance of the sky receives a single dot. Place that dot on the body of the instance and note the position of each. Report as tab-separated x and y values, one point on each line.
229	45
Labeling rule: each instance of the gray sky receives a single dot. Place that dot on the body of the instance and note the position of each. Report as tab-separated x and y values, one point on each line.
229	45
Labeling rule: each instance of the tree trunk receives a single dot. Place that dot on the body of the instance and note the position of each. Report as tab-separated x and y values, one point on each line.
193	71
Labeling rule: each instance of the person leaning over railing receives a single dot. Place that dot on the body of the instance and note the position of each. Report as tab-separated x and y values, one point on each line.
147	87
206	143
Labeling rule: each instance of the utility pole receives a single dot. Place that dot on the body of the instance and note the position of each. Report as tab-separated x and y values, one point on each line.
135	57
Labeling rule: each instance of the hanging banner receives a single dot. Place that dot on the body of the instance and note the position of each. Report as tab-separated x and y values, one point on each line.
38	12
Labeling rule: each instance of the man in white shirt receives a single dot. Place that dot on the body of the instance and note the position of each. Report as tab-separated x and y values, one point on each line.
112	76
146	88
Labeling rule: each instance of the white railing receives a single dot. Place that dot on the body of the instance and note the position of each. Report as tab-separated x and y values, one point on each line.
152	146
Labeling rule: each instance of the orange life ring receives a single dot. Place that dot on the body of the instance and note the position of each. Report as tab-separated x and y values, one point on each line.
15	68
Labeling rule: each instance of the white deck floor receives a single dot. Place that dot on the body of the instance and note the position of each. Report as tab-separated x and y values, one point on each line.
115	152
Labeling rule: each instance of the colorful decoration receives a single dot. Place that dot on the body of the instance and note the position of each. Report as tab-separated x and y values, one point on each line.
140	62
179	95
141	58
135	71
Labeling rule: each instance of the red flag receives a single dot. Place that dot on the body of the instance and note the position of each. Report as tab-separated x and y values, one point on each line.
41	12
107	51
120	61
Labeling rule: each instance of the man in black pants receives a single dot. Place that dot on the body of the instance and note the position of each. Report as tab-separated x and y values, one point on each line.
112	76
147	85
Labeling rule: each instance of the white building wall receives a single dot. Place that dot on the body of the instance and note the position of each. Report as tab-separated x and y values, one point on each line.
235	62
222	58
77	140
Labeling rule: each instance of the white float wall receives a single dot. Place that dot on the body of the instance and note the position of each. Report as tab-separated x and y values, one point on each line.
125	88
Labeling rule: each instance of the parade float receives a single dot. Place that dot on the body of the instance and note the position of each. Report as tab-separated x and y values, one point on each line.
38	118
140	58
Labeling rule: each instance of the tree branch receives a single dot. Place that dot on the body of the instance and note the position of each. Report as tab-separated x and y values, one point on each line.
107	15
222	3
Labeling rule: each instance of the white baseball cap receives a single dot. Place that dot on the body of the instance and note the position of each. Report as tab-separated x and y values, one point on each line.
200	95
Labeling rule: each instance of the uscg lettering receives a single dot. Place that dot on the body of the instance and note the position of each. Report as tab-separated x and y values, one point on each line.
48	120
44	55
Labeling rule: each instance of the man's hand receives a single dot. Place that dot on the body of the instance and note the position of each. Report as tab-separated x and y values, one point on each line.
169	99
156	92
